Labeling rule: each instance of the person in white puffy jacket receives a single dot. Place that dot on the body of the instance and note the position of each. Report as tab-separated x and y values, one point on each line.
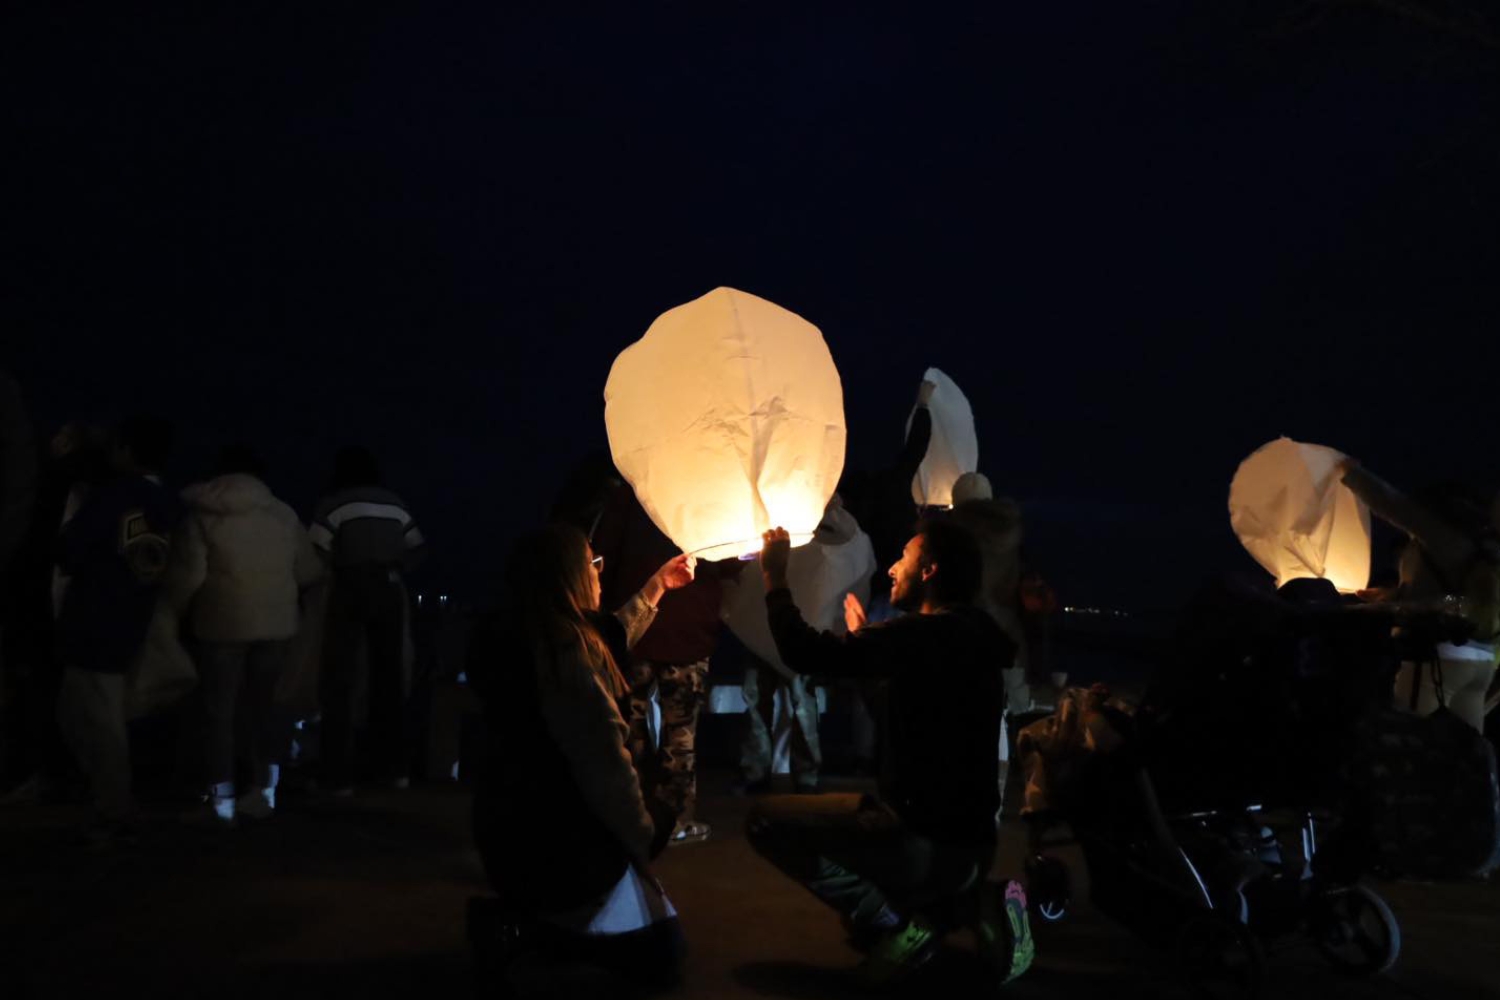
239	562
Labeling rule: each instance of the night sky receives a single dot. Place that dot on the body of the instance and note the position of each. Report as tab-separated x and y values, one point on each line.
1145	239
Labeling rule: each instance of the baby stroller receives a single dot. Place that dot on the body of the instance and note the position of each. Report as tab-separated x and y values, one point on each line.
1213	819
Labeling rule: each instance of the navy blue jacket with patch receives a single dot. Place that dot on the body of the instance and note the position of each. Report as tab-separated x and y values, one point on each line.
115	551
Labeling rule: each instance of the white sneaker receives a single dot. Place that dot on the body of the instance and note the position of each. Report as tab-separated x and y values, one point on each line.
213	814
260	803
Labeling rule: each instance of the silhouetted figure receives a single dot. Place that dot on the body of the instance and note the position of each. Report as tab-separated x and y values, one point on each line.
995	523
909	864
18	486
883	505
1453	558
114	553
561	822
18	474
369	539
240	559
670	664
37	763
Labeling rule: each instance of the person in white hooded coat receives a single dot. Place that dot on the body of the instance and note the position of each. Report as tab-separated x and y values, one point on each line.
239	562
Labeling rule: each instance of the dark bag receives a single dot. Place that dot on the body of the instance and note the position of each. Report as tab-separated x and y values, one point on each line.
1428	791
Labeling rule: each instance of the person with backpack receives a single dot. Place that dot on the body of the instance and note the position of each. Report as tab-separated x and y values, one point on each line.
114	550
1451	562
239	563
370	541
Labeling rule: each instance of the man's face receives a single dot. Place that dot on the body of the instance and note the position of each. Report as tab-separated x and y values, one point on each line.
908	576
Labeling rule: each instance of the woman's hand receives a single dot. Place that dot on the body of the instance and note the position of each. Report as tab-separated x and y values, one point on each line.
854	613
677	573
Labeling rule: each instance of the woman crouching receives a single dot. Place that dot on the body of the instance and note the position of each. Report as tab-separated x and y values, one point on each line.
559	819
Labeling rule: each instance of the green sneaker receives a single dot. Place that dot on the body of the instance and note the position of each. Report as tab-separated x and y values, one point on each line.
898	954
1004	931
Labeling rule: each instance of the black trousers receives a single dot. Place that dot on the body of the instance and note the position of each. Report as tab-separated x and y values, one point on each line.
366	610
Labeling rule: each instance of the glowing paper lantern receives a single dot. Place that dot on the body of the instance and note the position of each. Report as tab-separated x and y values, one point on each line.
1292	513
727	418
838	562
955	447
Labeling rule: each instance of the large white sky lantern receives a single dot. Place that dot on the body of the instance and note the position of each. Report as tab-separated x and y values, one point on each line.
1292	513
727	418
955	447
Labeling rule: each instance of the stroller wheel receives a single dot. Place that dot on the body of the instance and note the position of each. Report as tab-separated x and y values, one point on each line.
1356	931
1048	887
1221	959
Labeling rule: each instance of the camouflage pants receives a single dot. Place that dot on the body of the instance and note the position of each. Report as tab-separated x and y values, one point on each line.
668	768
761	685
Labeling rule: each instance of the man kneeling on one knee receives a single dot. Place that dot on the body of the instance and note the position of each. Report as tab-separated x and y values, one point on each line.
909	864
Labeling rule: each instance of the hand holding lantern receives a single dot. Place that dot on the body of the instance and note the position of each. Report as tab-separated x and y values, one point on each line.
675	574
774	556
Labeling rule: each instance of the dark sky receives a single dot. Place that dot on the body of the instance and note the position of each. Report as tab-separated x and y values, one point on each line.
1144	240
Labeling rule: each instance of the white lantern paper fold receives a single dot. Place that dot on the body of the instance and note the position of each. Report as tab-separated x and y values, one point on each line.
1294	515
818	575
955	446
727	418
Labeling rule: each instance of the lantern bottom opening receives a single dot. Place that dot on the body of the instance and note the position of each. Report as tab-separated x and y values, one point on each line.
747	549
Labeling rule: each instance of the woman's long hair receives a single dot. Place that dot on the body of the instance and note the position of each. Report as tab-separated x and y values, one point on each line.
550	595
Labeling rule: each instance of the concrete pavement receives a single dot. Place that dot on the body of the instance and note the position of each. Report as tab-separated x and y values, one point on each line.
366	899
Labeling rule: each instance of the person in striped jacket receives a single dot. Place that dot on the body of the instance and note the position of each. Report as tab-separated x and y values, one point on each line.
370	541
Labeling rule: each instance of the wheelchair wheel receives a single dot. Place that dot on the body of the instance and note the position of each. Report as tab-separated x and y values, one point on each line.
1355	931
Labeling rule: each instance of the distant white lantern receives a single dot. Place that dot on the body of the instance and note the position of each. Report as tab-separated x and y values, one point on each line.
727	418
955	446
1292	512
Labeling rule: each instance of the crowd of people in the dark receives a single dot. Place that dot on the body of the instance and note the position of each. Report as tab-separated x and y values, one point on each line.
592	673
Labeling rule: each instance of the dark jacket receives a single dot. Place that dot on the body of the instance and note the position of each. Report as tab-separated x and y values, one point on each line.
942	701
115	551
558	811
687	621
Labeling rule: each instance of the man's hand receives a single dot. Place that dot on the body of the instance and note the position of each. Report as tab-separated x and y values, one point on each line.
925	391
775	552
854	613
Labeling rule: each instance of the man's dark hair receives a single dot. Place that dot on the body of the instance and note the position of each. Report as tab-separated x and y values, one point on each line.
960	567
355	466
240	458
149	440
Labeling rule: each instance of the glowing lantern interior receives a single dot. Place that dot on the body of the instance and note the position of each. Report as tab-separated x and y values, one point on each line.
1294	515
727	418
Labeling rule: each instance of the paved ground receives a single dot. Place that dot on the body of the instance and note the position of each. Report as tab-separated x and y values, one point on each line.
367	901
